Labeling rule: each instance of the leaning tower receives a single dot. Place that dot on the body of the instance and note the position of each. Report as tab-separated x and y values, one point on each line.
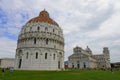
106	57
40	45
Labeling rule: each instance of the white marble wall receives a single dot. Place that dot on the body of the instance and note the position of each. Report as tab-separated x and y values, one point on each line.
6	62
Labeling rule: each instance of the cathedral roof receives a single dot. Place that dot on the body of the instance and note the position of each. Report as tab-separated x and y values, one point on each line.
43	17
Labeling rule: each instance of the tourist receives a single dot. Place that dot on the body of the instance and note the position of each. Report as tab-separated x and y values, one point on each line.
3	71
112	70
11	70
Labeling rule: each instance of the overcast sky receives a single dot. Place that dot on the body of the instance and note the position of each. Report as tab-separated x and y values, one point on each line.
93	23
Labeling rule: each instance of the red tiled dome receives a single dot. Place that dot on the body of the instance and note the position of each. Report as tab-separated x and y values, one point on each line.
43	17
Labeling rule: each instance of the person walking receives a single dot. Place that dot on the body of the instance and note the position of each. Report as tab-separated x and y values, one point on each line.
3	71
11	70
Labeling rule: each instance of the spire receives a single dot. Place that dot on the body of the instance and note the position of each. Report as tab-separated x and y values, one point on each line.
44	9
87	47
88	50
44	13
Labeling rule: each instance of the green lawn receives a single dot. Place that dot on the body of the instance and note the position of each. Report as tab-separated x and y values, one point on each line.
61	75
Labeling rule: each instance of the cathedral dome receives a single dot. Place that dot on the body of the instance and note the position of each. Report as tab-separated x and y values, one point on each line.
43	17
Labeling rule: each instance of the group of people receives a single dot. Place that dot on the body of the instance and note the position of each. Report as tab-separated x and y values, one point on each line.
4	70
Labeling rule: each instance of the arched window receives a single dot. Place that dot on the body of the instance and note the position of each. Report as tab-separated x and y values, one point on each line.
36	55
27	55
53	56
84	64
60	54
53	30
30	28
20	53
59	65
38	28
45	55
46	29
34	40
46	41
72	65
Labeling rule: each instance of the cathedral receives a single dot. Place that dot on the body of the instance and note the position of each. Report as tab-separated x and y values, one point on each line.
82	59
40	45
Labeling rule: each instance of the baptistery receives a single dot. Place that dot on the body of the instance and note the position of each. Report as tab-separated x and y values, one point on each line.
40	45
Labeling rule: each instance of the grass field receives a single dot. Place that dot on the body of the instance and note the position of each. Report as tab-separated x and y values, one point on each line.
61	75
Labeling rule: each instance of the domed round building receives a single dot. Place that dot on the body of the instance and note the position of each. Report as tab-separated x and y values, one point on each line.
40	45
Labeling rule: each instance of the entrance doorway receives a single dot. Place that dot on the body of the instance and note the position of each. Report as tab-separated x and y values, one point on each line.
19	58
58	64
78	65
84	65
20	61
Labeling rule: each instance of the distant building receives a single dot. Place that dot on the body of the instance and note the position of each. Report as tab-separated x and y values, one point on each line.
66	64
85	59
40	45
115	65
6	62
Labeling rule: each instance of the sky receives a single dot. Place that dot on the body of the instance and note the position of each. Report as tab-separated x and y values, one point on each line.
93	23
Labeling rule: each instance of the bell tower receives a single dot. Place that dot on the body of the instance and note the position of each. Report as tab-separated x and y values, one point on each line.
106	56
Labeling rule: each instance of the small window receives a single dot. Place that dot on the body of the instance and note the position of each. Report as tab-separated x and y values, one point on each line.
36	55
53	56
60	54
34	40
53	30
46	41
30	28
46	29
45	55
27	55
38	28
